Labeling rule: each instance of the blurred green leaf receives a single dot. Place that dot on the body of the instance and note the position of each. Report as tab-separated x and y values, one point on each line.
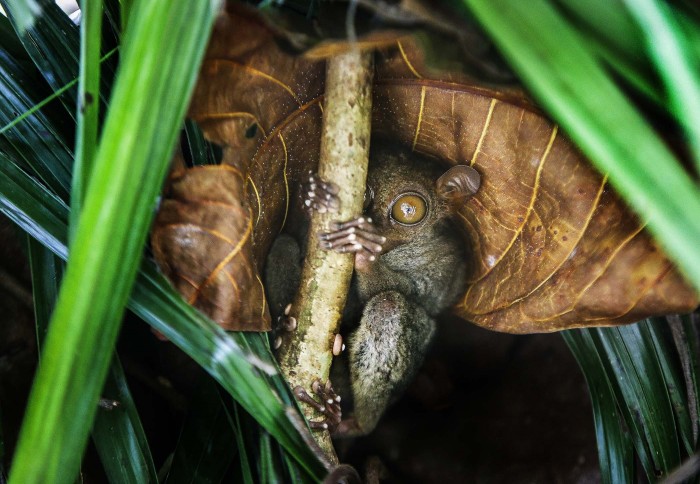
615	449
635	372
118	434
686	339
33	207
206	446
644	391
53	44
657	331
668	47
617	39
246	473
556	65
9	41
88	109
224	356
24	12
149	100
47	271
36	140
199	150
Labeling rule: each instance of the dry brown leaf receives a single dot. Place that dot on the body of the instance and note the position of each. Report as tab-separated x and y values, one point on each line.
552	246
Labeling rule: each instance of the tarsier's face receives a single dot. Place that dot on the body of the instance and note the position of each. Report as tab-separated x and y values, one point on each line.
401	197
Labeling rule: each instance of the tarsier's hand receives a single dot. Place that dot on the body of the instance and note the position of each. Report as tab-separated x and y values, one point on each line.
326	402
319	195
358	236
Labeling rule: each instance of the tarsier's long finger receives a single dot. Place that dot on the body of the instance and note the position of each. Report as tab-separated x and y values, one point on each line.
322	425
356	231
330	399
353	242
364	223
320	195
303	396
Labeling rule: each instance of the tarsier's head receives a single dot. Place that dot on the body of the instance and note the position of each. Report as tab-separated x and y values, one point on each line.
408	194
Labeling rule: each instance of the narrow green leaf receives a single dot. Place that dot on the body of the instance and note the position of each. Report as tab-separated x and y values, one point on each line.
9	41
36	139
629	412
638	375
53	44
617	29
616	38
47	271
88	105
615	449
33	207
266	463
206	445
201	151
126	8
24	12
668	46
245	469
685	337
118	434
556	65
149	100
242	374
657	331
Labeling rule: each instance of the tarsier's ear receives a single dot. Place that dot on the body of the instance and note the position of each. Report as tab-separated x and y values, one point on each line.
458	184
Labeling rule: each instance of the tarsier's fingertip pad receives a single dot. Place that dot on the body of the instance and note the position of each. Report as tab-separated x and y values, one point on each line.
338	345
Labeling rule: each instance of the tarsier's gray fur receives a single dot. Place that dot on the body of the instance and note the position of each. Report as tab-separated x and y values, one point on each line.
389	319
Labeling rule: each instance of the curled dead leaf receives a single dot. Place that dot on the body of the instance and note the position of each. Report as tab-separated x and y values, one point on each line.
552	246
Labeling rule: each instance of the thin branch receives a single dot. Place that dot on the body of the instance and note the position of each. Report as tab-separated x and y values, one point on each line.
326	275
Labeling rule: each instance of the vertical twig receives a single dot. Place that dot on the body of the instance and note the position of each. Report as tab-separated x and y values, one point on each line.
326	275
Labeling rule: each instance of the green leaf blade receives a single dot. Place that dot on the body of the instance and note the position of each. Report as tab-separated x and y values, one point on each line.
108	249
88	110
44	217
119	437
615	449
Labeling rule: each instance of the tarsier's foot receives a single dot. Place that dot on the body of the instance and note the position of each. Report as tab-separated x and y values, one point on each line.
320	195
358	236
285	323
327	403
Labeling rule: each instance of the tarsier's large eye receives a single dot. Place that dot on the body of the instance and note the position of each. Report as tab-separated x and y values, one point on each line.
409	209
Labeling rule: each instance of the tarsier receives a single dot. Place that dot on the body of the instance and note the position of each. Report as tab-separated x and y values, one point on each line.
410	265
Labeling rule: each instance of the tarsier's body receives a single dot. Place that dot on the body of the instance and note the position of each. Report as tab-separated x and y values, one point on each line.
409	266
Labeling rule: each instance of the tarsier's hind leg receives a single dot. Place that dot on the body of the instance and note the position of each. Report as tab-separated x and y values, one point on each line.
386	351
282	273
